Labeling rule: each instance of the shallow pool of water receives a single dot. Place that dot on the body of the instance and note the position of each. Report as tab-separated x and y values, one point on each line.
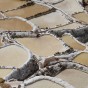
4	72
1	44
44	46
82	17
77	78
13	56
82	59
28	11
44	84
51	20
70	6
10	4
73	43
70	26
14	25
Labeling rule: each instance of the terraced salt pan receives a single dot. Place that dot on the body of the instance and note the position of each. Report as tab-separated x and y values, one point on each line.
14	24
82	58
10	4
50	20
4	72
28	11
73	43
1	44
76	78
44	84
82	17
70	6
52	1
13	56
70	26
44	46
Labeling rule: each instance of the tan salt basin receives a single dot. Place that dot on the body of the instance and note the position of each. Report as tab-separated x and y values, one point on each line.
75	9
82	17
44	46
13	56
14	24
70	6
73	43
29	10
4	72
10	4
1	44
82	58
76	78
52	1
44	84
51	20
70	26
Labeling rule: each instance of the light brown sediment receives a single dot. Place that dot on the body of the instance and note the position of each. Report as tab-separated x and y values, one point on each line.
82	17
76	78
58	19
4	72
70	26
82	58
46	45
10	4
47	84
14	24
13	56
29	10
73	43
70	7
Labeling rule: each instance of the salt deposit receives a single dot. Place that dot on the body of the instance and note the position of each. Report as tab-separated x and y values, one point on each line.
77	78
51	20
73	43
44	46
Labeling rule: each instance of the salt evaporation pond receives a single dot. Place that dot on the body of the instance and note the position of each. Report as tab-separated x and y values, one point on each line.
51	20
14	24
44	84
73	43
1	44
5	72
75	9
82	58
46	45
76	78
10	4
29	10
82	17
70	26
52	1
70	6
13	56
